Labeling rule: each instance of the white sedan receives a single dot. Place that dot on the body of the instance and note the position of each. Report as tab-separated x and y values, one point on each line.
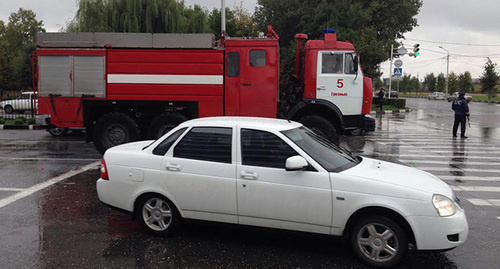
279	174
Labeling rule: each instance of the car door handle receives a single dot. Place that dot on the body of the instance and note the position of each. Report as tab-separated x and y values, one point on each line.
246	84
249	175
321	88
173	167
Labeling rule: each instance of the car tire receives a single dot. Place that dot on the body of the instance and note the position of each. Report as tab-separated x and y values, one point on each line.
114	129
355	132
8	109
321	126
378	241
57	131
157	215
164	123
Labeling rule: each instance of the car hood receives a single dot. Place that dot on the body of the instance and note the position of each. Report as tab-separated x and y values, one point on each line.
399	175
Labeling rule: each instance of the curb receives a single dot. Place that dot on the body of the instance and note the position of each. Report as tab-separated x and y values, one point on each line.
390	111
17	127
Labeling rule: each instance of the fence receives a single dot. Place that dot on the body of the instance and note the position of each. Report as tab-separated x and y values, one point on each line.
17	105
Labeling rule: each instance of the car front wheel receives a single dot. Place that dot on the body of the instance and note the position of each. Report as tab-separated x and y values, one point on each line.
9	109
379	241
157	215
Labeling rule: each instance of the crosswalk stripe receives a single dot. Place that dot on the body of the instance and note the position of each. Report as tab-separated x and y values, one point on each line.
484	202
437	156
416	162
424	143
452	169
468	178
476	188
468	152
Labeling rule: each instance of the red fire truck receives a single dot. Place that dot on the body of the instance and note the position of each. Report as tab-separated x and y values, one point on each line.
123	87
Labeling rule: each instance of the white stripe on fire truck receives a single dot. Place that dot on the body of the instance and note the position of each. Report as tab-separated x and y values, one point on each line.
165	79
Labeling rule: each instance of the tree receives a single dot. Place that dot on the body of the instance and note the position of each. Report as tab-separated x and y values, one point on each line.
453	83
441	83
17	41
372	26
429	82
489	80
214	22
465	82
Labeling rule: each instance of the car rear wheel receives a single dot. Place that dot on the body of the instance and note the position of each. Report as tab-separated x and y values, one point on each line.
9	109
379	241
157	215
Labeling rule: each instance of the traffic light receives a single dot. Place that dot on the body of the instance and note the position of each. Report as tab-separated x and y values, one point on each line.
416	49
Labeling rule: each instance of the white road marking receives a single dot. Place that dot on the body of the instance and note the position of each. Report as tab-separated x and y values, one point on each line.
476	188
453	169
498	217
45	184
479	202
45	159
11	189
436	156
416	162
469	178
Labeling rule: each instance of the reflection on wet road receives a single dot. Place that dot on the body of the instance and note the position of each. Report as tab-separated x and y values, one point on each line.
64	225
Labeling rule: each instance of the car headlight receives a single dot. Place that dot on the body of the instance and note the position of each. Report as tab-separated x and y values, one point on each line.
444	206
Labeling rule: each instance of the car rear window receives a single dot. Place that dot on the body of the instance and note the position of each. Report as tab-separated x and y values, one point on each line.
206	144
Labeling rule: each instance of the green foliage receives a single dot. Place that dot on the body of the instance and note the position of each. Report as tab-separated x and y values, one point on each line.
372	26
489	79
441	83
2	120
429	83
465	82
396	102
32	121
19	121
453	83
17	41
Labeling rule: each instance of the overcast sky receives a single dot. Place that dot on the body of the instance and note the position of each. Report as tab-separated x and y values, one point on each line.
469	30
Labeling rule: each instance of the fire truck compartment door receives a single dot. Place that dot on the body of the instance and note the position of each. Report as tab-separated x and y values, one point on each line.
251	81
338	82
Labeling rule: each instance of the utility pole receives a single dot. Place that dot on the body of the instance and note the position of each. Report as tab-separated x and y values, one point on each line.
447	68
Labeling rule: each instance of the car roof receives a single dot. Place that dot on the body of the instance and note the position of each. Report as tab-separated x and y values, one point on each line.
245	122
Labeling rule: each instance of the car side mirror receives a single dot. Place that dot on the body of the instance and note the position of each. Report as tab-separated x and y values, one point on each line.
295	163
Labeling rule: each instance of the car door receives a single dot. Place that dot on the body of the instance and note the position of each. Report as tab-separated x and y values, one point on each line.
199	174
270	196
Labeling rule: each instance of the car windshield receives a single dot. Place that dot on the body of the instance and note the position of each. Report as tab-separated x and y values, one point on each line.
331	157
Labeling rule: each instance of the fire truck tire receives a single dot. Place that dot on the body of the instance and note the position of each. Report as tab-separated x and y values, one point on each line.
321	126
114	129
57	131
164	123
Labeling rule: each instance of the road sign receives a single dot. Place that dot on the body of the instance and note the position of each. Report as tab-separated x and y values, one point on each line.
398	63
402	51
398	72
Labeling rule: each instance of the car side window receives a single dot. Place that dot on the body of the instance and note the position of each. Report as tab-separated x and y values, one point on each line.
211	144
259	148
165	145
258	58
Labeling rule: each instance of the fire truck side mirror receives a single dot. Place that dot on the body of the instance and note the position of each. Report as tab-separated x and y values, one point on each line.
356	64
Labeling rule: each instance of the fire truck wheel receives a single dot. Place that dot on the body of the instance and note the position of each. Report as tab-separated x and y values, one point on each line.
114	129
57	132
164	123
322	127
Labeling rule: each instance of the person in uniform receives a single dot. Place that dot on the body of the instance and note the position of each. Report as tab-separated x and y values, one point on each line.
461	114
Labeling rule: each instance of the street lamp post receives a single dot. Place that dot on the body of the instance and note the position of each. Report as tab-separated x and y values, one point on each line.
447	67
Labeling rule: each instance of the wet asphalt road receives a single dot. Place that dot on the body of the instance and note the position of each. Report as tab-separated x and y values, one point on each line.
63	225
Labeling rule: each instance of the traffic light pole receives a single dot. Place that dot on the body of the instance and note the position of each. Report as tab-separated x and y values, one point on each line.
390	71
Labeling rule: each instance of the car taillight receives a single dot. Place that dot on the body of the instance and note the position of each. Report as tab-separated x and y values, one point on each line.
104	170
